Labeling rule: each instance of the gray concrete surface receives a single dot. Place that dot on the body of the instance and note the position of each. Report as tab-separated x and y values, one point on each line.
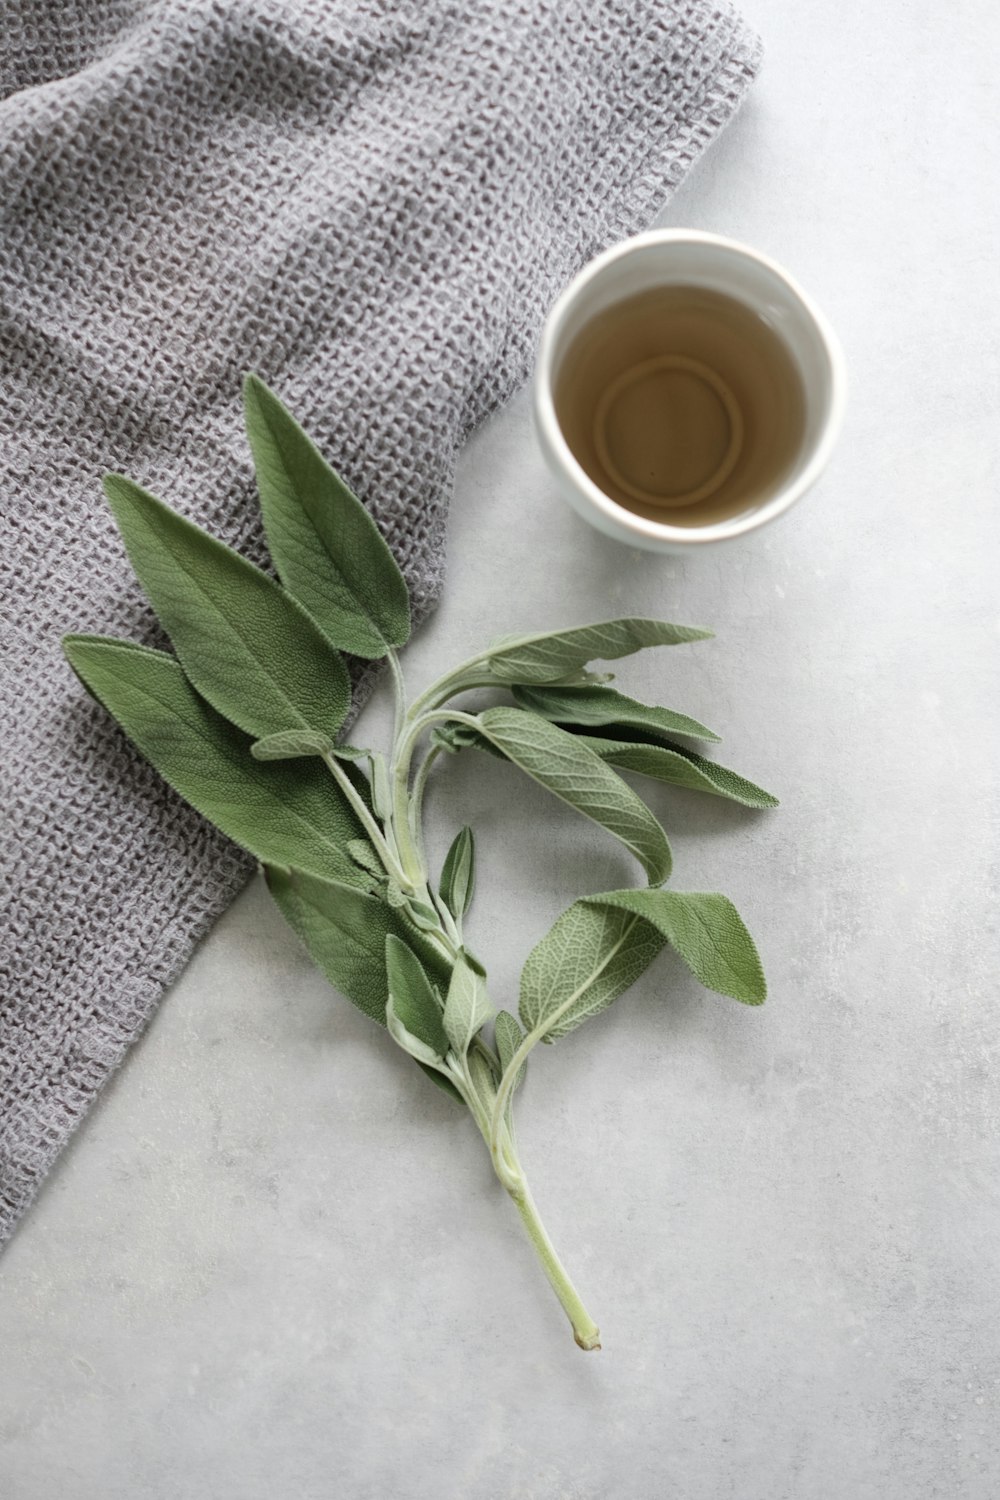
274	1263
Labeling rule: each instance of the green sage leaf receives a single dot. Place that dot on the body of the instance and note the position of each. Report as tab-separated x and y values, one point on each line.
681	767
575	773
345	931
422	915
362	853
552	655
381	791
412	996
467	1005
455	737
705	929
586	960
327	549
444	1084
420	1051
458	874
349	752
508	1037
484	1078
248	647
286	813
601	705
345	935
291	744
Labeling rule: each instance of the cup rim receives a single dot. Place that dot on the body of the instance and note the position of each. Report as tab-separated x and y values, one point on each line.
618	516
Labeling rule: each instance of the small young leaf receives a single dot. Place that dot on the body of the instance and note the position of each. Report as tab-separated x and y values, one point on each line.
467	1006
595	705
554	655
456	737
458	875
403	1037
572	771
286	813
364	855
508	1037
681	767
412	996
291	744
705	929
422	915
349	752
483	1077
586	960
248	647
381	793
446	737
328	551
444	1084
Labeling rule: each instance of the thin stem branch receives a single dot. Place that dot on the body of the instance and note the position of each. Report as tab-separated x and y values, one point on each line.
411	852
585	1330
399	691
372	829
506	1085
508	1169
417	794
452	925
461	680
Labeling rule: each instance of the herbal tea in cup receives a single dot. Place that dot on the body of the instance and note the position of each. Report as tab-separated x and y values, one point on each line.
688	390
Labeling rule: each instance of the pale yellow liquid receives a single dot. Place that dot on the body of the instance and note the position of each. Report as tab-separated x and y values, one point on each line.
682	405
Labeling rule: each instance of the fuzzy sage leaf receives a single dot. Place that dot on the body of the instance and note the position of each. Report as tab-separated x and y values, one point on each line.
412	996
679	766
586	960
291	744
458	874
285	813
594	705
508	1037
572	771
246	645
328	551
456	737
419	1050
705	929
381	793
345	931
484	1077
467	1007
553	655
364	856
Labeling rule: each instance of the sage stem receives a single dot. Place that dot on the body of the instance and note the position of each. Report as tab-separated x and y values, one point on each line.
372	829
585	1330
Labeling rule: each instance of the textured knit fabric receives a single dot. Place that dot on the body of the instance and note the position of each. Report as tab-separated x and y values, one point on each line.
371	204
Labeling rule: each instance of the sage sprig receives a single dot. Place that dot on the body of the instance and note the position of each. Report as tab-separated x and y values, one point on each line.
243	721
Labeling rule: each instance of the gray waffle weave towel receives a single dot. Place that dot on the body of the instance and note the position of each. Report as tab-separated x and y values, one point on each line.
370	203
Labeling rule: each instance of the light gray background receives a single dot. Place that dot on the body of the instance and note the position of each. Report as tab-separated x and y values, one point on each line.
274	1262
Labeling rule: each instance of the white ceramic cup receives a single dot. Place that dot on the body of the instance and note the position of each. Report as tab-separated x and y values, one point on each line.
684	257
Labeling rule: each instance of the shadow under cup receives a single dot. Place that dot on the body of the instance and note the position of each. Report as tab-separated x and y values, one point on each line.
688	390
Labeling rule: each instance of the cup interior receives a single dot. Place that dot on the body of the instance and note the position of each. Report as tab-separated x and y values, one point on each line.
679	259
